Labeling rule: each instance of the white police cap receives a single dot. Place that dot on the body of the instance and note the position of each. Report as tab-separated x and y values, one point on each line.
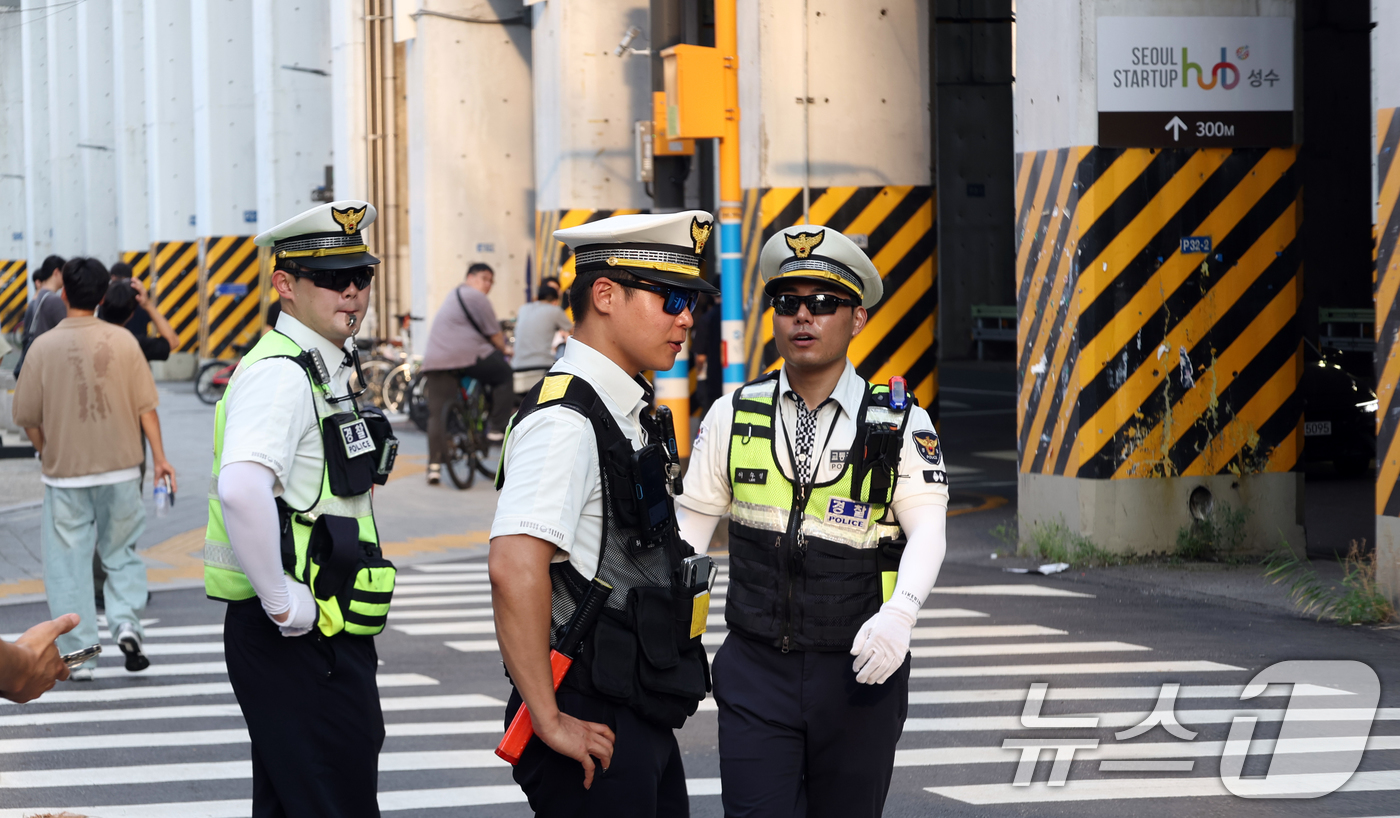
326	237
663	247
809	251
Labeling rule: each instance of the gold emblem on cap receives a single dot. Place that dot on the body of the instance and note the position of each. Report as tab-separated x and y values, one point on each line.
349	218
700	233
803	244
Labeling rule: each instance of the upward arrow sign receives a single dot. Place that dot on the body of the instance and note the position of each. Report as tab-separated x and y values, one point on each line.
1176	126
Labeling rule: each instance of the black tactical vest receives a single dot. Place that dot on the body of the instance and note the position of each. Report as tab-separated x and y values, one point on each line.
641	653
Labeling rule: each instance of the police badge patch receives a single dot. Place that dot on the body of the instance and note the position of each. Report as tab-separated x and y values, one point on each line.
847	513
927	444
355	436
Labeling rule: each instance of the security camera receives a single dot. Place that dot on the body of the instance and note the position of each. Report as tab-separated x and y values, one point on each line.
626	45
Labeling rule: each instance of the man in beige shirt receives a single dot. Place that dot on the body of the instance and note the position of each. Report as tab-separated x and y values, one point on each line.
84	397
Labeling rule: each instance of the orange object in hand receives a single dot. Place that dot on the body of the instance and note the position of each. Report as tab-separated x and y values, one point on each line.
521	729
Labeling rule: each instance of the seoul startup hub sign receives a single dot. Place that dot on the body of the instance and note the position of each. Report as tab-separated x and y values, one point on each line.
1195	82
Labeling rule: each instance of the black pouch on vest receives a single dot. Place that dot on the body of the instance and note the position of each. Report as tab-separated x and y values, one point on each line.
335	548
614	650
386	445
889	552
349	451
881	461
666	668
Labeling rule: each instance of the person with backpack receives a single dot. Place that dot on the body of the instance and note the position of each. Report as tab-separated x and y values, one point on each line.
47	308
466	340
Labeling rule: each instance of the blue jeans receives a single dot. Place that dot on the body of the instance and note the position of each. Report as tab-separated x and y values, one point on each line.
77	522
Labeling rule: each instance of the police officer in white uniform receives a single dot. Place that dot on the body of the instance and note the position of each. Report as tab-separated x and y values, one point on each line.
573	462
820	473
291	530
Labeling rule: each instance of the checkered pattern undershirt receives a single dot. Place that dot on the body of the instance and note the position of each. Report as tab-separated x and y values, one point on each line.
805	440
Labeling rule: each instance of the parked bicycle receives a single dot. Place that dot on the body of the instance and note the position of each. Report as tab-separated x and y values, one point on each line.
211	379
468	448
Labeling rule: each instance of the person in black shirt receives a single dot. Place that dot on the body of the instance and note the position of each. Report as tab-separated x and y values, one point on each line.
141	312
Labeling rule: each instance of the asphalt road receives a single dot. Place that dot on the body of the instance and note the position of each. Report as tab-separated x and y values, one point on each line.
170	741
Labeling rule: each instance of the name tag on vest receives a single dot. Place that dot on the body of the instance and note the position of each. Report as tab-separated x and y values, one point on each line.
847	513
355	436
755	477
839	457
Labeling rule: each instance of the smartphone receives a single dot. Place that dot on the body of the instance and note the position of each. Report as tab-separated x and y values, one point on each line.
696	569
79	657
650	484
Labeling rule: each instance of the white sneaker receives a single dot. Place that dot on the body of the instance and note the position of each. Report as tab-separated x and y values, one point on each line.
434	474
82	674
130	644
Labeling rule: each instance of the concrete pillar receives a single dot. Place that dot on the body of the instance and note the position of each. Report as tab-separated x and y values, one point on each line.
1152	382
169	121
1385	91
836	131
225	183
69	200
38	219
469	151
12	199
96	128
129	125
292	80
347	32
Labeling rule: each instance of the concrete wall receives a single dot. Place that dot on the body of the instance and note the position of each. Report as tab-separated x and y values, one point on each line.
292	114
69	199
129	125
96	129
1056	83
169	106
347	37
225	182
865	68
586	102
12	201
38	236
470	156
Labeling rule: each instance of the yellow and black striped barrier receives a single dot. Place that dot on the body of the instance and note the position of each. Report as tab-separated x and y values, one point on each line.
1387	312
176	278
1137	359
230	304
895	225
14	294
140	262
555	258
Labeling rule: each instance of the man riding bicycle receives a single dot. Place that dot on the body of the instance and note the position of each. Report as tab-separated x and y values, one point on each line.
466	339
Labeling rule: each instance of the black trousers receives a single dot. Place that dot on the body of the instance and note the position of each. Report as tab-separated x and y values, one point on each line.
644	780
799	736
312	707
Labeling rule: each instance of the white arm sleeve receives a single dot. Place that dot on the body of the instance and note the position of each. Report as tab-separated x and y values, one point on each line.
250	516
696	528
925	528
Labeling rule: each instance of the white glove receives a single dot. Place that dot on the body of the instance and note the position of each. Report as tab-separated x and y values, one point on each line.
302	614
882	643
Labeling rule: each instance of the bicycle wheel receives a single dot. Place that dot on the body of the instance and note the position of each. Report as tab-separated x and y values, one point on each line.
204	386
376	370
394	393
460	458
417	401
480	413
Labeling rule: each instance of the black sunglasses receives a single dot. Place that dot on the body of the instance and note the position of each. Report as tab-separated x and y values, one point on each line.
677	299
337	280
788	304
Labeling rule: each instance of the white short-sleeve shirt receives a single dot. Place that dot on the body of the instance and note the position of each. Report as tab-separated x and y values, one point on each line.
270	416
552	488
923	474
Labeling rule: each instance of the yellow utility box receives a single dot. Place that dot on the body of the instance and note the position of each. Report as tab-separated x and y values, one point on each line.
662	145
694	76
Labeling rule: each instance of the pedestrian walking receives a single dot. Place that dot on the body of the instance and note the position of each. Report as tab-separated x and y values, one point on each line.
46	309
292	544
466	340
84	397
536	326
836	492
585	504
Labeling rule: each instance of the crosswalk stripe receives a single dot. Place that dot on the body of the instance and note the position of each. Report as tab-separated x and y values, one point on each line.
172	649
391	801
1021	649
458	587
1018	694
122	694
474	646
1134	788
440	579
949	613
982	631
957	756
158	669
1189	718
1006	590
211	711
452	599
1077	669
396	615
178	630
117	741
436	628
